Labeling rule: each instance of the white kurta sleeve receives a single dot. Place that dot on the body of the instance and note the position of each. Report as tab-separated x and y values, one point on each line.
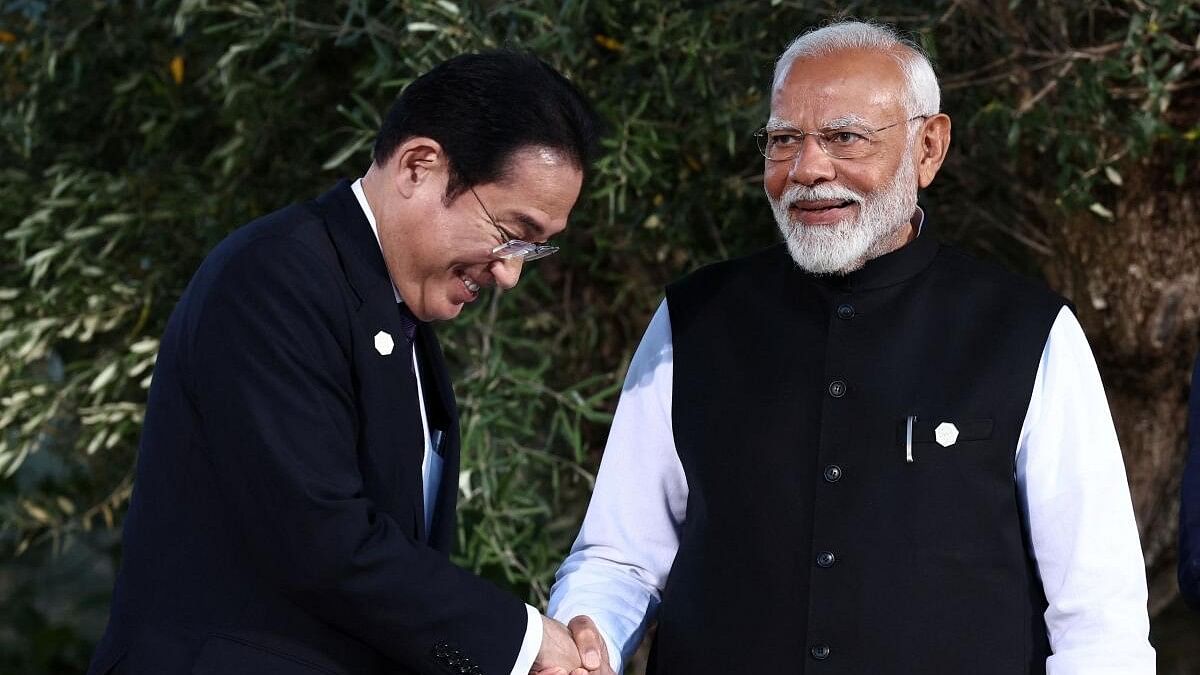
1075	497
619	564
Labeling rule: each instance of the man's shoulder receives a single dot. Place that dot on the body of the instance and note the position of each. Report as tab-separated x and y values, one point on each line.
969	273
290	245
287	251
721	273
272	239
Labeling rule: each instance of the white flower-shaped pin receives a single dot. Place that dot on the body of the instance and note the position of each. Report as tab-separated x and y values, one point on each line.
946	434
383	343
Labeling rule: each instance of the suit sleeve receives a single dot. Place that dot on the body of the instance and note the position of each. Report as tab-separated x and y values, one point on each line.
272	379
1189	508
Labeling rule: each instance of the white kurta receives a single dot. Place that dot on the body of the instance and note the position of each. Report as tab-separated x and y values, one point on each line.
1069	473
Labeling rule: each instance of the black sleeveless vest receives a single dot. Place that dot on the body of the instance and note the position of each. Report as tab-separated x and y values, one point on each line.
812	544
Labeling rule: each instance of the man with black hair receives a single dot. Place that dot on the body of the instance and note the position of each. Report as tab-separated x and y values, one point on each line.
296	484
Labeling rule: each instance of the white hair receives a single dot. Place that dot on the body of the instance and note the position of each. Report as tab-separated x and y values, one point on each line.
923	97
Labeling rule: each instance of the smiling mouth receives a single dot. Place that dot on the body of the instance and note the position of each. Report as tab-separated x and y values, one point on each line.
820	206
471	285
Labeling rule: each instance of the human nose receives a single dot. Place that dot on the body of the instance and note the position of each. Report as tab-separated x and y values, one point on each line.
812	164
506	272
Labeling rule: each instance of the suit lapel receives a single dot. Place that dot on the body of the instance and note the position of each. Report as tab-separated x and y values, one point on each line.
442	413
395	410
357	247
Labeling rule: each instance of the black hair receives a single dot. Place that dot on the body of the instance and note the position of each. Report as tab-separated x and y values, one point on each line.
484	107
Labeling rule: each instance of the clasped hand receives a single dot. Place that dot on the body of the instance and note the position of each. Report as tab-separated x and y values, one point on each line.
574	649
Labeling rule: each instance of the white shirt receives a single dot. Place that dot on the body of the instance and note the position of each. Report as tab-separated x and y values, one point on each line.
1070	479
431	472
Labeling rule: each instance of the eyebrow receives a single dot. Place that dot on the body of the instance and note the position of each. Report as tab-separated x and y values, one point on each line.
532	226
847	120
775	124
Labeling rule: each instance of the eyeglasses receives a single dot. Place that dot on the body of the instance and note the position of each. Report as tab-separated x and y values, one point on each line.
848	142
511	247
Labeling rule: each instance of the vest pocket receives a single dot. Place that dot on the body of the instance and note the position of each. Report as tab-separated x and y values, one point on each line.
945	430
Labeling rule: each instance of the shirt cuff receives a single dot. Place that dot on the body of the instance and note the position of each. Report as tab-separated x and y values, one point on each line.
532	643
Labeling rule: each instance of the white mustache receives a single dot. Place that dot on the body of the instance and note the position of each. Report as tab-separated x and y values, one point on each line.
805	193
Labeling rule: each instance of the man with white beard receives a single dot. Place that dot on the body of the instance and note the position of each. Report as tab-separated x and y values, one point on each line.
860	451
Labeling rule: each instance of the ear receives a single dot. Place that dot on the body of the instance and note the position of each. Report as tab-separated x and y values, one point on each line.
932	145
418	163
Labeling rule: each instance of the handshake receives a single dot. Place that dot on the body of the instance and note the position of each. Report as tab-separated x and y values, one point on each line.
574	649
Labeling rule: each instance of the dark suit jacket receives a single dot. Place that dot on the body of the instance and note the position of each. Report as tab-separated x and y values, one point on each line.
277	521
1189	510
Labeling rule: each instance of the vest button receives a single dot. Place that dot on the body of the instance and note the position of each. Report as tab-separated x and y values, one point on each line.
820	652
833	473
837	389
845	311
826	559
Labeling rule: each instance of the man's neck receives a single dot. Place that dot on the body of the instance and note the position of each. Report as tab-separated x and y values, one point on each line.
376	194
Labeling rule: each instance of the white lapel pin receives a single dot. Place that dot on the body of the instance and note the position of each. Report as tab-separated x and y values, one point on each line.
946	434
384	343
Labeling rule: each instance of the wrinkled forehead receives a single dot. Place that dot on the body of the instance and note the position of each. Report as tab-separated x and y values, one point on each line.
853	87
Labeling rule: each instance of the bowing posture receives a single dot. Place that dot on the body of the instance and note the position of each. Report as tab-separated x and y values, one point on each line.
293	509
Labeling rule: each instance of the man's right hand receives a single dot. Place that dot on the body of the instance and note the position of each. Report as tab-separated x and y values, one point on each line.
558	654
587	643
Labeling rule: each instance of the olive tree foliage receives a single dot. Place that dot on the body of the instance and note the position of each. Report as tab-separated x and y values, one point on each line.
134	135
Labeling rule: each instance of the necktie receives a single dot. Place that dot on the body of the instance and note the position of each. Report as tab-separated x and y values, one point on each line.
408	322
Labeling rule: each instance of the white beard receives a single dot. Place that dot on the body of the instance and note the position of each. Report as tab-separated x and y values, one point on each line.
848	244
